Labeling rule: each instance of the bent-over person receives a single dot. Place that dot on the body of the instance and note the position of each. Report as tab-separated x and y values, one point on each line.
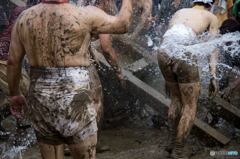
182	75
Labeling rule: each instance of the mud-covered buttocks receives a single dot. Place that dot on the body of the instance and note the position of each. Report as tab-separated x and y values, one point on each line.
178	70
76	110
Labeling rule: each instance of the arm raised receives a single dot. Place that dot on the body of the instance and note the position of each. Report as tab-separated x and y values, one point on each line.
147	8
101	23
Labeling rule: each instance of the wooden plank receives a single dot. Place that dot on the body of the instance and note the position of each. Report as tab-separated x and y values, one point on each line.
160	103
11	4
138	65
18	3
225	110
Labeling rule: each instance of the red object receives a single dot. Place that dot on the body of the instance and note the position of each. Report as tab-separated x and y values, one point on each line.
5	37
53	2
150	22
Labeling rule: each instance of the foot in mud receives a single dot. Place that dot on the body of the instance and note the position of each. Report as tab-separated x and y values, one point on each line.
177	152
170	142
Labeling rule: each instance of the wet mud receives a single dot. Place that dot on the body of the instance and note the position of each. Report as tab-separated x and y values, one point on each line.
136	139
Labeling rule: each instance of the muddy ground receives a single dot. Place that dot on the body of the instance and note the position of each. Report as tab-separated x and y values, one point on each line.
136	139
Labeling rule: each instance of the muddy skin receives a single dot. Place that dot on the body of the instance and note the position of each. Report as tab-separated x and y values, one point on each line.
175	108
50	151
142	10
84	150
190	95
174	115
185	95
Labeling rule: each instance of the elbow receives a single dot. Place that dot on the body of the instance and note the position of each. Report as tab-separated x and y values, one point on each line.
125	27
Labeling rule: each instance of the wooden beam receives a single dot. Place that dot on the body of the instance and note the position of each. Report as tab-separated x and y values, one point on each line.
11	4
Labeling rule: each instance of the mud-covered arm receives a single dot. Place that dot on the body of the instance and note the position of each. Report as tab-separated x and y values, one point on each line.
14	65
109	53
147	8
101	23
236	83
110	56
213	59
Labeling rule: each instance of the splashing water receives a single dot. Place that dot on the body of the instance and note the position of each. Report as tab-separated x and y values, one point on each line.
11	153
202	47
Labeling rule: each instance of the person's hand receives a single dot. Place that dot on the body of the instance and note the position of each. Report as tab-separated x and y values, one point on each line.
213	88
121	79
167	90
16	105
227	92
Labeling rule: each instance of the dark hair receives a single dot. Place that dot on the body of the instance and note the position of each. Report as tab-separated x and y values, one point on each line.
205	5
229	26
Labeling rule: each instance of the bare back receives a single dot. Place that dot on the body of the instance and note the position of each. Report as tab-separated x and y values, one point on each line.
57	35
197	19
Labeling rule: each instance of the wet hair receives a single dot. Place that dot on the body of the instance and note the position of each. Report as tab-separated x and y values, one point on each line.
229	26
32	2
205	5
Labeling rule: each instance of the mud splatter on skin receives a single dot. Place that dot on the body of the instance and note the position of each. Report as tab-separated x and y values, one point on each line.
175	115
47	44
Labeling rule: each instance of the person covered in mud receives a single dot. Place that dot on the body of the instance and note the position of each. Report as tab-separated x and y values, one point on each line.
5	38
105	39
181	75
55	36
139	28
111	58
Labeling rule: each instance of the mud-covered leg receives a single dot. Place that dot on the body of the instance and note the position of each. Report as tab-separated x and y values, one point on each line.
51	151
174	115
98	103
85	149
189	95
